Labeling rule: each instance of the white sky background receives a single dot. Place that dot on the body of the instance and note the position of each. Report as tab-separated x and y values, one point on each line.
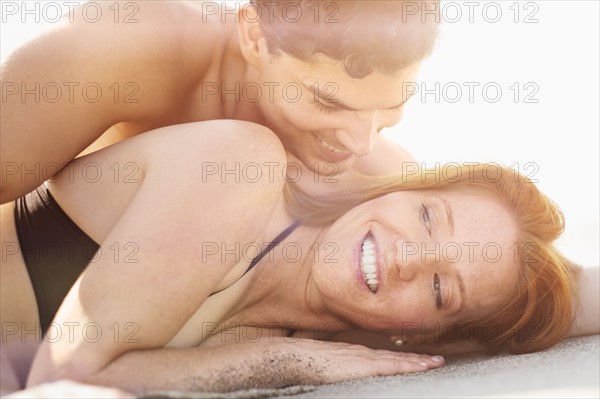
559	134
553	60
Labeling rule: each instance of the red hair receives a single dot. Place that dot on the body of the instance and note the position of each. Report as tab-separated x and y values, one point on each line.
540	311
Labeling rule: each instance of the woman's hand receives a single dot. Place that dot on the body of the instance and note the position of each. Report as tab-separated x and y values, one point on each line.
321	362
271	362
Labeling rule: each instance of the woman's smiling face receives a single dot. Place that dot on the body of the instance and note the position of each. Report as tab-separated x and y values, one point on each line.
414	257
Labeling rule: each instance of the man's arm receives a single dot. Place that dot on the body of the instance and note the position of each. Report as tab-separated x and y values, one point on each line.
61	91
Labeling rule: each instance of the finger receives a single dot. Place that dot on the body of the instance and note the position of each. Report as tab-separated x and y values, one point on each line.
435	360
392	364
400	366
425	361
381	354
431	361
416	362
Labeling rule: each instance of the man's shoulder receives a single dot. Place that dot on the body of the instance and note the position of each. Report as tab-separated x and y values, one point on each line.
177	28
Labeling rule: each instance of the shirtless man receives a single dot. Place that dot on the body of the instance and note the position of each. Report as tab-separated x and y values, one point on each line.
325	76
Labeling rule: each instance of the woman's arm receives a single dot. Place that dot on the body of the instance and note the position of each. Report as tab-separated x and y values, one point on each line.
172	214
587	314
272	362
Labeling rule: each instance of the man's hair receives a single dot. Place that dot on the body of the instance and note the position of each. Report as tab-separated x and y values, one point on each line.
539	312
365	36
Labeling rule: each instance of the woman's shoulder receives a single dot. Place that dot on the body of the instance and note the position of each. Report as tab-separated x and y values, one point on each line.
227	173
229	144
240	164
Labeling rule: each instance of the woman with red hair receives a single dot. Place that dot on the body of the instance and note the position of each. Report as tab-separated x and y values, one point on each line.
169	262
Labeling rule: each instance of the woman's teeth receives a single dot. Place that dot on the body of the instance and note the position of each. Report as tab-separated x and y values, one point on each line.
329	146
368	263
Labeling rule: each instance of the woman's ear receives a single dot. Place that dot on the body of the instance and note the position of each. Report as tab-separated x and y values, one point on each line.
249	35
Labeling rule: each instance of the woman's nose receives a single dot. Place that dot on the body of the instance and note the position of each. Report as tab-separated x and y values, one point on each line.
412	258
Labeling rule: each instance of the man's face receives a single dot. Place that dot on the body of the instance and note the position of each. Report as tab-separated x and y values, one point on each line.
324	116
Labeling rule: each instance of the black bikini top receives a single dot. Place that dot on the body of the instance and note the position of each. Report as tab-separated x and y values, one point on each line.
282	236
